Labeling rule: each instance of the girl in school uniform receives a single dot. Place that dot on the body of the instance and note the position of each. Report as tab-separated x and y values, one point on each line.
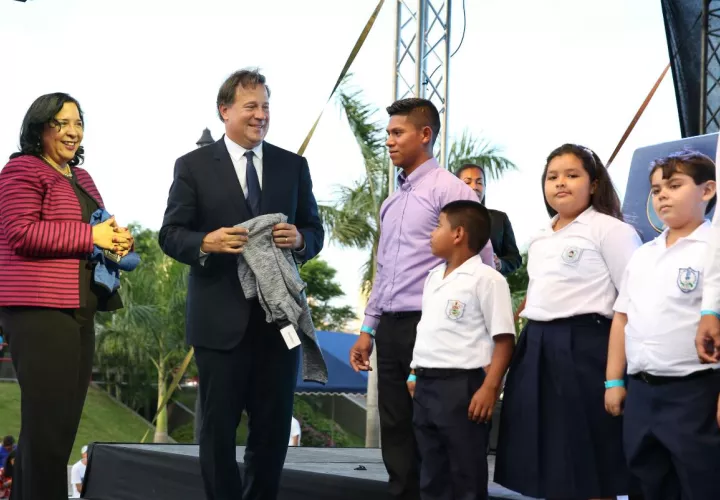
556	440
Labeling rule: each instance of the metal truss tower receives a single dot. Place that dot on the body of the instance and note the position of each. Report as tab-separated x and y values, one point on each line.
421	66
710	68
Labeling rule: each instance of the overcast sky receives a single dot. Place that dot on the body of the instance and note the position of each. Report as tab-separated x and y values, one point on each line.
529	76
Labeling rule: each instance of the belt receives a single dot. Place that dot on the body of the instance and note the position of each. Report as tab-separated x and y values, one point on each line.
443	372
402	314
661	380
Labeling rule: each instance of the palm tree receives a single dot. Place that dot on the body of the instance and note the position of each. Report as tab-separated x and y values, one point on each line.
354	219
148	334
480	152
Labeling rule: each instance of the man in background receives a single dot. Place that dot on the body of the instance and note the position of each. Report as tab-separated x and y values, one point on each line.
295	433
8	445
77	473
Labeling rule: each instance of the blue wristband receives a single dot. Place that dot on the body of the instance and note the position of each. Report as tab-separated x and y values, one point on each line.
707	312
609	384
412	378
366	329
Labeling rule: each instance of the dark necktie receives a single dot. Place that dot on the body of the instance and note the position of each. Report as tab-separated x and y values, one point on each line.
253	186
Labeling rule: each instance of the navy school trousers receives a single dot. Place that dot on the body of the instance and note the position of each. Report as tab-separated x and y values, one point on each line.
453	449
671	435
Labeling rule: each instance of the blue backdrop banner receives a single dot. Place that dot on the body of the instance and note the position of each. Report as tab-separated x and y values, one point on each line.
637	207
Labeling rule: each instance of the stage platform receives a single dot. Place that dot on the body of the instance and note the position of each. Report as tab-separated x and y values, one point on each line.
172	472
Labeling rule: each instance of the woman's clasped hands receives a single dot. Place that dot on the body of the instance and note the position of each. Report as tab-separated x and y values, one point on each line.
109	236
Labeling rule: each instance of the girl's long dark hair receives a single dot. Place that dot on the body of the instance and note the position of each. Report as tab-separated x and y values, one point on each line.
43	112
605	199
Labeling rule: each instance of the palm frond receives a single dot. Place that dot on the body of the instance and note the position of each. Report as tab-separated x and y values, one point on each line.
346	227
481	152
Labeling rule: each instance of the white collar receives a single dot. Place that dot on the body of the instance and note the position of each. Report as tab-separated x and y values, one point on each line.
701	233
467	267
583	218
237	151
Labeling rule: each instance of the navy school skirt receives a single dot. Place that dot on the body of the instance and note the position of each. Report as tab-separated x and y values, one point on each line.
556	440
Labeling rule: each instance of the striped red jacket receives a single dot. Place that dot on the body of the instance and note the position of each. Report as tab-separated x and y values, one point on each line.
42	235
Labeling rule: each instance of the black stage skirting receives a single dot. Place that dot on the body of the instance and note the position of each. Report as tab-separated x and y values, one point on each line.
172	472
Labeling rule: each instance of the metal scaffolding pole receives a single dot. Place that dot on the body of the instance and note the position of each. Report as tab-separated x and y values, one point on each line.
421	62
710	68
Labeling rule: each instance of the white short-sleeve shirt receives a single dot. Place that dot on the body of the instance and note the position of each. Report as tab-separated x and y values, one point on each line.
460	314
661	295
295	430
578	269
77	474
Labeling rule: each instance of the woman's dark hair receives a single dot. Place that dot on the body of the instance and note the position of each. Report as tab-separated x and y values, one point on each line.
694	164
466	166
605	200
43	112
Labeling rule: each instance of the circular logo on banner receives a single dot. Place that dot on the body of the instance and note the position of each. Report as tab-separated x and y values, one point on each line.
652	217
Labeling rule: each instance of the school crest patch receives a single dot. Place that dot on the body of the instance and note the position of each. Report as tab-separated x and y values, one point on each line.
454	309
571	255
688	279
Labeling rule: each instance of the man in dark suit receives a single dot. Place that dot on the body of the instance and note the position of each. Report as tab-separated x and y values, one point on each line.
243	362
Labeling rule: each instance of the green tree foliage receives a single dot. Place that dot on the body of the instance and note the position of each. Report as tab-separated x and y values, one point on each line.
321	290
139	346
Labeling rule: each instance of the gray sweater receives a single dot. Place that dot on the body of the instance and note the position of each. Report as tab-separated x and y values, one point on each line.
270	273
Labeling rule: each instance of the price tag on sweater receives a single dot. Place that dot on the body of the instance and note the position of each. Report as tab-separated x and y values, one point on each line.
290	336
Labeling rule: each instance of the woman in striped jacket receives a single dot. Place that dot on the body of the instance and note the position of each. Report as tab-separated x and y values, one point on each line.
48	297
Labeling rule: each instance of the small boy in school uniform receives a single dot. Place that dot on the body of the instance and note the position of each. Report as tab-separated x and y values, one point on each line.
467	323
671	431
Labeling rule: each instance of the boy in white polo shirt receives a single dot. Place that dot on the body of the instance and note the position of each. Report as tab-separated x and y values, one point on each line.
467	323
671	428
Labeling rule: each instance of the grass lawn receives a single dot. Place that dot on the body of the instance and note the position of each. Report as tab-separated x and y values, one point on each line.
317	429
103	419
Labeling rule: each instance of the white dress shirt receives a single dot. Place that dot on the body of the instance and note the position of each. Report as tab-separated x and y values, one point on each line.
578	269
461	313
237	155
661	294
239	161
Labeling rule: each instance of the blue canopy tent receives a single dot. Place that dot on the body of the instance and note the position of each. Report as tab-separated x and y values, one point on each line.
342	379
637	207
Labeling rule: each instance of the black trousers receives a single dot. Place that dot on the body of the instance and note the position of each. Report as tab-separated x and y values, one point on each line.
672	439
52	351
259	376
395	340
453	448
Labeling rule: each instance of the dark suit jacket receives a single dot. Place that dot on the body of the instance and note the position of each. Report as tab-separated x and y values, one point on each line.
206	195
503	242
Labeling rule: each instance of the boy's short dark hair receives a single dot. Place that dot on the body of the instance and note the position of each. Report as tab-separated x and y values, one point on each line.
473	217
422	112
8	441
694	164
